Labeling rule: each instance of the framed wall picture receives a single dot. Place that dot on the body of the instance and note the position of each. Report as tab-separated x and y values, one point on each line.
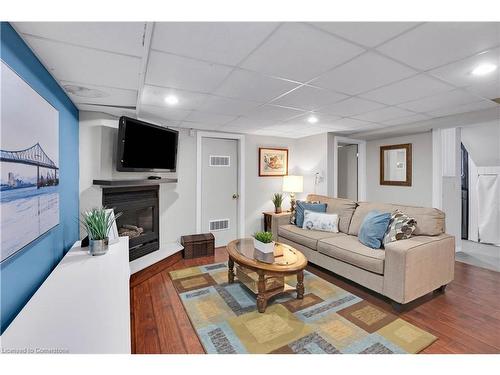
273	162
29	164
396	165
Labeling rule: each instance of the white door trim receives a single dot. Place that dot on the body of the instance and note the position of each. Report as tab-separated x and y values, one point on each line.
241	176
361	165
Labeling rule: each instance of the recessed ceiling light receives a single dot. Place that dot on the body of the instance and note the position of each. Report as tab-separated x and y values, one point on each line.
312	119
171	100
483	69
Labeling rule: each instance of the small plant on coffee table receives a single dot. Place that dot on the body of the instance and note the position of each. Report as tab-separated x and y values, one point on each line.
264	237
277	201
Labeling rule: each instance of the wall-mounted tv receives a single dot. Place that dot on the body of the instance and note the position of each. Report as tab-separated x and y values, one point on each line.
144	147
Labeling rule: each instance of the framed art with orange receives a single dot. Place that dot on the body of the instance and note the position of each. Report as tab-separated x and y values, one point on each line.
273	162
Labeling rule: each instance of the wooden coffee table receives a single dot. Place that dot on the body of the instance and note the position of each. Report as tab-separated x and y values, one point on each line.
269	276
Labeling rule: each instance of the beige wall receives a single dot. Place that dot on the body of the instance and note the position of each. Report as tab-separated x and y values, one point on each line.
420	193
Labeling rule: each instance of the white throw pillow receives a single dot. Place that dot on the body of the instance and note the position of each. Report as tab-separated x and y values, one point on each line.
321	221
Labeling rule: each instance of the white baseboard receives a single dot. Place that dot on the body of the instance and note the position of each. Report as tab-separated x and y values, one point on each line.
154	257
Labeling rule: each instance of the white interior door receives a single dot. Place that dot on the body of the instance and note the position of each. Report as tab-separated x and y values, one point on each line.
219	188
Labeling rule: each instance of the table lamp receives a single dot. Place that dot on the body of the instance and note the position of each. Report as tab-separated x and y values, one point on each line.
292	185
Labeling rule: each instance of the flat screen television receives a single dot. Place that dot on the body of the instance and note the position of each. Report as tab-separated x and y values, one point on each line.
144	147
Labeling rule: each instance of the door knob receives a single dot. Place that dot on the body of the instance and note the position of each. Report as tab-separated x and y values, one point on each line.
236	196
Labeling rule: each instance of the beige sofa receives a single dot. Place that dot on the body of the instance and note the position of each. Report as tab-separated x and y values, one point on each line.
404	271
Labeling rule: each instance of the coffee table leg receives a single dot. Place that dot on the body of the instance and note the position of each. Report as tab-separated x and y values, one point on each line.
261	287
300	285
230	271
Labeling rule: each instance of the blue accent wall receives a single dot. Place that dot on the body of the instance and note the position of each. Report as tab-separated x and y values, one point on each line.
22	274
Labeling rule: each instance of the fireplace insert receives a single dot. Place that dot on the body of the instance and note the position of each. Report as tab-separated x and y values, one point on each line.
140	218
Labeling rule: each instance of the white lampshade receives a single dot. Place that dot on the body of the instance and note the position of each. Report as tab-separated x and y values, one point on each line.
293	184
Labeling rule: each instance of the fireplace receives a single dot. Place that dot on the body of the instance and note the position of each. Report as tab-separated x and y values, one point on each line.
139	220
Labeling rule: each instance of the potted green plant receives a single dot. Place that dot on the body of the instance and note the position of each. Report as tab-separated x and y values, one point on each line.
97	222
263	241
277	201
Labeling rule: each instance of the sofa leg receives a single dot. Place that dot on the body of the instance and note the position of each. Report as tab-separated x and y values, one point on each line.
441	289
397	307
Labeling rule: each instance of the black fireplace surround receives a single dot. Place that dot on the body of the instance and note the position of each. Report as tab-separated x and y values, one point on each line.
139	220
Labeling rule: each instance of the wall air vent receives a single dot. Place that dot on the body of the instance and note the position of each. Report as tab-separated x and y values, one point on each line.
219	161
217	225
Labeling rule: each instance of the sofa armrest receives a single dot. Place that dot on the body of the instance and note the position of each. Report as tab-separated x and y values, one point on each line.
417	266
278	220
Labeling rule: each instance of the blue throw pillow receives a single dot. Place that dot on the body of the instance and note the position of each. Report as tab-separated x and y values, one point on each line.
373	228
301	206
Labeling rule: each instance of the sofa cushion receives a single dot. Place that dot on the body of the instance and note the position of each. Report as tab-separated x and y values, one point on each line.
348	249
304	237
342	207
373	229
302	206
430	221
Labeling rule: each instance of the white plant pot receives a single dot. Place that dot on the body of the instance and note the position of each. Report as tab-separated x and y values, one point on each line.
264	247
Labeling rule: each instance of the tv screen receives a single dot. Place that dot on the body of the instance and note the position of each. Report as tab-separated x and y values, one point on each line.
145	147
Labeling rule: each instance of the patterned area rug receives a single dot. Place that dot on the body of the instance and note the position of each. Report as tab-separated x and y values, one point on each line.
328	319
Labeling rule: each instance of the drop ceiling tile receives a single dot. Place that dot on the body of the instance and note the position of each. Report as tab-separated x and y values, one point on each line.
350	107
299	52
309	98
438	43
120	37
78	64
491	91
182	73
163	112
349	124
301	122
407	120
384	114
154	95
312	130
460	73
365	72
275	133
477	106
227	106
220	42
245	85
109	96
268	114
406	90
209	118
447	99
368	34
241	125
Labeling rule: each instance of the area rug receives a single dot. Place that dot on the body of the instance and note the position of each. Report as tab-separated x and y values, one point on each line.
327	320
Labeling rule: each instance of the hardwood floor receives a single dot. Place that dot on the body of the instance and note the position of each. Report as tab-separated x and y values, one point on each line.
466	318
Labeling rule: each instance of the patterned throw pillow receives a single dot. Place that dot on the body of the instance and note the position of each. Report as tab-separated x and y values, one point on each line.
400	227
321	221
293	216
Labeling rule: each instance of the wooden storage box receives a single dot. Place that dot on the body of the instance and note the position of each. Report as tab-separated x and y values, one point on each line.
250	279
198	245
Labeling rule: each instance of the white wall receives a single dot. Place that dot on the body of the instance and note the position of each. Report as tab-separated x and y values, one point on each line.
420	193
177	201
482	141
259	190
311	157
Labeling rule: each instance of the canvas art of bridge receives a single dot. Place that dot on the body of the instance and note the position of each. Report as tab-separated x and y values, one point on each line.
35	156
